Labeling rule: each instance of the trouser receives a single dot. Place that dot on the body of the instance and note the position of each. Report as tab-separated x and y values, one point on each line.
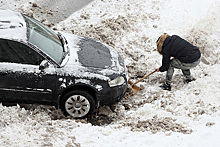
185	67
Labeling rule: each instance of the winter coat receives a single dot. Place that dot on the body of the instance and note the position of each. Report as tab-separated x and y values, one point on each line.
180	49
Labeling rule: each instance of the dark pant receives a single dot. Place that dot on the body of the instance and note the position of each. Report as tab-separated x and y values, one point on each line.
185	67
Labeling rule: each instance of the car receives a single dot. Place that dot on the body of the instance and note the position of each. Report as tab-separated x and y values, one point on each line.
41	66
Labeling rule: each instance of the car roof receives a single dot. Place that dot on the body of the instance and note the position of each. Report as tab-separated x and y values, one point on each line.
12	25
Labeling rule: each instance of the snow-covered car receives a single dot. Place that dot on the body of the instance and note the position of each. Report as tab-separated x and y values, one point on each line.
39	65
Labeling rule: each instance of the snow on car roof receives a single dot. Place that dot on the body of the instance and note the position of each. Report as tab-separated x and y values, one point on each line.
12	25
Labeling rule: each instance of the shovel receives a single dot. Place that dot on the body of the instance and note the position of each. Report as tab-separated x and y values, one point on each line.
134	86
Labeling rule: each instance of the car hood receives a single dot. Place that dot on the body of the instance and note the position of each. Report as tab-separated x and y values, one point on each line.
92	58
94	54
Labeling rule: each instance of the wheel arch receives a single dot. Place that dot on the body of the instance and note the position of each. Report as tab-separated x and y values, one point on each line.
83	87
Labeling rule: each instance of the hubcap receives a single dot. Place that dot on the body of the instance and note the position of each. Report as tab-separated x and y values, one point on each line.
77	106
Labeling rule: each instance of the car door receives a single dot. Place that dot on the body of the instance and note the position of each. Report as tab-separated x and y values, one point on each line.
20	77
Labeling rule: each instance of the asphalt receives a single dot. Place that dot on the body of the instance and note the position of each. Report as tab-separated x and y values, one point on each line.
61	9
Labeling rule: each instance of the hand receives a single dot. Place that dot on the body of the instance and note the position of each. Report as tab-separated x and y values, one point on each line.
157	69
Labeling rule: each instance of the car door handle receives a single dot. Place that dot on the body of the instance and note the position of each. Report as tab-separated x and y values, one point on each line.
24	69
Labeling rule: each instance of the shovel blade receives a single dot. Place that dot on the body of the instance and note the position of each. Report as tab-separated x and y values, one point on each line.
134	87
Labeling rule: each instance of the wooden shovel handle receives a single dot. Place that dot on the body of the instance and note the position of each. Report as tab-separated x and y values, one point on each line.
144	77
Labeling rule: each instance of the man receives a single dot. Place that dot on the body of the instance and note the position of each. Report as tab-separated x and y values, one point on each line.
177	53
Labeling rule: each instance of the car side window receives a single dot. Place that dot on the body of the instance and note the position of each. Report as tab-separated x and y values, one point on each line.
15	52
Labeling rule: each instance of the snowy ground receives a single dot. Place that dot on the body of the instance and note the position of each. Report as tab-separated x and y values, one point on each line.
189	115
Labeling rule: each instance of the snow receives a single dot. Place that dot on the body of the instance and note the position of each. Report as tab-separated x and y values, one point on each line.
189	115
12	25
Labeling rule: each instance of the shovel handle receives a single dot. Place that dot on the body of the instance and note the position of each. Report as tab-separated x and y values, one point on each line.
144	77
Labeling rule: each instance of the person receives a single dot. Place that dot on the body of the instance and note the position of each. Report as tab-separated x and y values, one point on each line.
177	53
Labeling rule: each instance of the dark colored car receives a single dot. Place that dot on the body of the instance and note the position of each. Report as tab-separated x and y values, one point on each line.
38	65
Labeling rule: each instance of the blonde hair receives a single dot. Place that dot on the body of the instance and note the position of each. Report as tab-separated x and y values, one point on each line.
160	42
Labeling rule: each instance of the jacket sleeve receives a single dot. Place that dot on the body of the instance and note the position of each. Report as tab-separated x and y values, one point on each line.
165	63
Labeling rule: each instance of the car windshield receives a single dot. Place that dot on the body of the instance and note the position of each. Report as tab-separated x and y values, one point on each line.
45	39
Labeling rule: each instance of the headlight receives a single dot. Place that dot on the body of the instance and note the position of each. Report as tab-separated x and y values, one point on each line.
116	82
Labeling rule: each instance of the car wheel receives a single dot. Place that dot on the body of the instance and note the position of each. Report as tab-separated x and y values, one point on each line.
77	104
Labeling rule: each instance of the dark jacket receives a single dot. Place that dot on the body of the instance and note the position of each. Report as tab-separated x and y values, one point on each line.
180	49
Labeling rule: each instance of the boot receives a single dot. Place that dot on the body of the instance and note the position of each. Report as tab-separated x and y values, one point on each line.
189	80
165	86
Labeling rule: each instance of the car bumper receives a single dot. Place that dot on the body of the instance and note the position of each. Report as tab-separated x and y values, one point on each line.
111	95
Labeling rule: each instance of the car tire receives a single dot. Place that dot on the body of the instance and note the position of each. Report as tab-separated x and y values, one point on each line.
78	104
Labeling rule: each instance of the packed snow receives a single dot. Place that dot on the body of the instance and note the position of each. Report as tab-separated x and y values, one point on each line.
189	115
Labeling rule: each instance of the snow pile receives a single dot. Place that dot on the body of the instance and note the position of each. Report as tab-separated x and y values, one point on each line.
186	116
22	125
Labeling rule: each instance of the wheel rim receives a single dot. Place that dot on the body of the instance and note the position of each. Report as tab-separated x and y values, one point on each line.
77	106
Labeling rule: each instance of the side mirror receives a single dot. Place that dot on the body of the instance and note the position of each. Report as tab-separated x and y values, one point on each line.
44	64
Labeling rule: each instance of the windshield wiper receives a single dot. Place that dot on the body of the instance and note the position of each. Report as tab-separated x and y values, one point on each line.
64	45
62	40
